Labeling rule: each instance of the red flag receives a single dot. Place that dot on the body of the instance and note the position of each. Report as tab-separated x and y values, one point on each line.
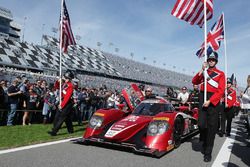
192	11
67	34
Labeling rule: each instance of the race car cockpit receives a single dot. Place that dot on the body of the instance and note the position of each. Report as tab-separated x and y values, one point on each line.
150	108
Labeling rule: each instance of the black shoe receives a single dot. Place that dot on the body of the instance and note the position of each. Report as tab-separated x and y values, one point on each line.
228	135
51	133
221	134
207	158
202	150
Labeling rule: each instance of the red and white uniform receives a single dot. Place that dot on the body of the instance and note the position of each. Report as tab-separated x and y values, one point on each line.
237	103
67	91
215	84
231	97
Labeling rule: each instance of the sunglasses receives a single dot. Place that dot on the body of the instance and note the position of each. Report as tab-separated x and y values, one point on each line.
211	60
147	91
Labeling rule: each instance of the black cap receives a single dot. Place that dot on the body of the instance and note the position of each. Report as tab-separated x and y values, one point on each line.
229	80
213	55
68	74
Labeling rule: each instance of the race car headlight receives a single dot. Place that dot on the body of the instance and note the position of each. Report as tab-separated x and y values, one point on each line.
157	128
95	121
152	128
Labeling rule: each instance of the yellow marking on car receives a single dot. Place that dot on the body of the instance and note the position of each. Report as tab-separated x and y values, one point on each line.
161	118
99	114
170	147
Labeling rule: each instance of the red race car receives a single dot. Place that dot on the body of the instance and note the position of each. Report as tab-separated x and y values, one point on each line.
154	126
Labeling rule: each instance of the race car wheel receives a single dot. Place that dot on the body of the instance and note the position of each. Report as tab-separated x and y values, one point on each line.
178	129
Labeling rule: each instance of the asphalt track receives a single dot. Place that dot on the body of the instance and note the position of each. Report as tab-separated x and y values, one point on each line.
188	154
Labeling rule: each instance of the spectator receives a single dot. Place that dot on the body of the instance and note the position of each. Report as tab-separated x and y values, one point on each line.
170	93
111	100
45	107
82	98
31	104
183	96
245	106
13	94
52	107
4	103
193	98
149	93
93	100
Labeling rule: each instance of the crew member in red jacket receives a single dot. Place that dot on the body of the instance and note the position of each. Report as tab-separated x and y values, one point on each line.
208	110
228	113
65	109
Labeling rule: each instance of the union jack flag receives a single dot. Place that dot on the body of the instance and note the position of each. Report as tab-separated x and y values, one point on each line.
67	34
192	11
214	38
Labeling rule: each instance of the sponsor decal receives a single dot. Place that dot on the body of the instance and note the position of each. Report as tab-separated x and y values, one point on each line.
170	147
111	133
99	114
161	118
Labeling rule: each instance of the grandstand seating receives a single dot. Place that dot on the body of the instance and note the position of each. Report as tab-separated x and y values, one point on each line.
29	56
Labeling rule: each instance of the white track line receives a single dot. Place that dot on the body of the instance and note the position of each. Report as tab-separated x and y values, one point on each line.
35	146
223	156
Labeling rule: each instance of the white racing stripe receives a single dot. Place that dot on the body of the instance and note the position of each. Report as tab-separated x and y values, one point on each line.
223	157
35	146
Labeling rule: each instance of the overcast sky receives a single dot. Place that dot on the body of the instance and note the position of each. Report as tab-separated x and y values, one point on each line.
142	27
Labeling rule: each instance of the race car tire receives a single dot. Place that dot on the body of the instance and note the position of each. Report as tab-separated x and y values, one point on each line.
178	129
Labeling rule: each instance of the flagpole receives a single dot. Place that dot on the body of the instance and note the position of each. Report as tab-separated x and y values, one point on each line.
225	51
60	61
205	48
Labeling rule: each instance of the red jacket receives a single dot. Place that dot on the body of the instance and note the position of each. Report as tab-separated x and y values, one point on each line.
67	91
215	84
237	103
231	97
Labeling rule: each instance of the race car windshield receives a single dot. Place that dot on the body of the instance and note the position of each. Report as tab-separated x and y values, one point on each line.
152	109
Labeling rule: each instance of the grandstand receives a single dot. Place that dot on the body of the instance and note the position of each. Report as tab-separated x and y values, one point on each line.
84	61
93	67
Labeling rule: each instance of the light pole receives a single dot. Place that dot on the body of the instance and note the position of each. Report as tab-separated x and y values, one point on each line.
24	20
54	30
99	44
110	46
116	50
42	34
132	55
78	38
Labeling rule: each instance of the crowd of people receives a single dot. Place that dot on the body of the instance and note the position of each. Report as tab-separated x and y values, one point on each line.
22	102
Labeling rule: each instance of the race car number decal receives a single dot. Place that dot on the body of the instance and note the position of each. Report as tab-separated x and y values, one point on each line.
132	118
111	133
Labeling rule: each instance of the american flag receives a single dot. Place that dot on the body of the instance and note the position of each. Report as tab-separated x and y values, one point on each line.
67	34
214	38
192	11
